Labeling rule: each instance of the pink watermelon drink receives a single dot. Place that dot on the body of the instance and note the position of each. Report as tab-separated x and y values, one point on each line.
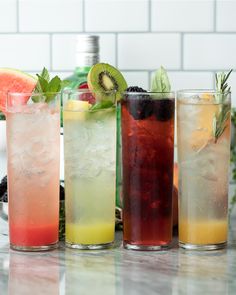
33	173
33	140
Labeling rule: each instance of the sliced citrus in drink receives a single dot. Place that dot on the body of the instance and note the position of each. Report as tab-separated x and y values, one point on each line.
207	97
75	109
203	132
12	80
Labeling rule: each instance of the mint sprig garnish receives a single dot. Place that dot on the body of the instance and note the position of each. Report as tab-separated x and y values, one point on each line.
220	119
48	86
160	81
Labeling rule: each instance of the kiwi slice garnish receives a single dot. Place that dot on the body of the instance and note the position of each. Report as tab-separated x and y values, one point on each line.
104	78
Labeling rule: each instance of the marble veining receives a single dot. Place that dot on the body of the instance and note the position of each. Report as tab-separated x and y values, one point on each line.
118	271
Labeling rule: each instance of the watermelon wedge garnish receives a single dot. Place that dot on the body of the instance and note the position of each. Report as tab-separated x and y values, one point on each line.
12	80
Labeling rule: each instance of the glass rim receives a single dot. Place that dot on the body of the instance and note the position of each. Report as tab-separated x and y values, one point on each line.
31	93
148	92
200	91
86	90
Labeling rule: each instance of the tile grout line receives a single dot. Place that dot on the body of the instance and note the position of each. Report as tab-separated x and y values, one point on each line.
213	78
83	16
149	79
182	51
116	48
17	17
118	32
50	51
149	16
210	71
214	16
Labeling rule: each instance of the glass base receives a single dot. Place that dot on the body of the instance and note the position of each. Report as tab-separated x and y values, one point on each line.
89	246
34	248
145	247
207	247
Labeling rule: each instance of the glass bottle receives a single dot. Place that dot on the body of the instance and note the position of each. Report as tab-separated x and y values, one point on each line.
87	54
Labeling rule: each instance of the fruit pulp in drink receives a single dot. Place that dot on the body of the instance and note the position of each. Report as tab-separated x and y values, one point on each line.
97	233
147	158
203	231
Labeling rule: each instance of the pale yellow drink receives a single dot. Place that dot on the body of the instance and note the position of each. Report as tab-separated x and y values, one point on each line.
89	143
203	166
97	233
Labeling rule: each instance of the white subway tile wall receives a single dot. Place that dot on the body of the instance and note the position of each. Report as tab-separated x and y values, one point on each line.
116	15
50	15
148	51
27	52
182	16
191	38
8	16
226	15
209	51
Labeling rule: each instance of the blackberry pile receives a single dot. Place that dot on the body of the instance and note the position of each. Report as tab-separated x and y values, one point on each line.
3	190
143	106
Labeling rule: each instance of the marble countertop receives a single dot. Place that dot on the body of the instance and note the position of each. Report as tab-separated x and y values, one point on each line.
118	271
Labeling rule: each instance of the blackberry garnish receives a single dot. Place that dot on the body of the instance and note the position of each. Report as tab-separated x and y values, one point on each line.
164	109
3	186
140	106
135	89
4	198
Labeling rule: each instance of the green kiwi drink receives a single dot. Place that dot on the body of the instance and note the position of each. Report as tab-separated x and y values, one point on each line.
90	160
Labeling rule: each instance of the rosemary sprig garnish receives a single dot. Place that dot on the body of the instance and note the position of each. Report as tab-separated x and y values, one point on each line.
220	119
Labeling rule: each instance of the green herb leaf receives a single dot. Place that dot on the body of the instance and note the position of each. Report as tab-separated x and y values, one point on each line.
53	86
47	86
40	87
102	105
45	75
65	83
160	81
43	83
220	119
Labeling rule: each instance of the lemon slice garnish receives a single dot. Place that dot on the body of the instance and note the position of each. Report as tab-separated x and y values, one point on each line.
76	109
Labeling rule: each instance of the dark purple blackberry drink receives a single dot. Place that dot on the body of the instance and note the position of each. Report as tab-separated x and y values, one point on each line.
147	123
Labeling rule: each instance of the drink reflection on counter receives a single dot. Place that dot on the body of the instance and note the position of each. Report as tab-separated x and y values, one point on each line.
89	274
153	274
33	274
201	272
4	265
